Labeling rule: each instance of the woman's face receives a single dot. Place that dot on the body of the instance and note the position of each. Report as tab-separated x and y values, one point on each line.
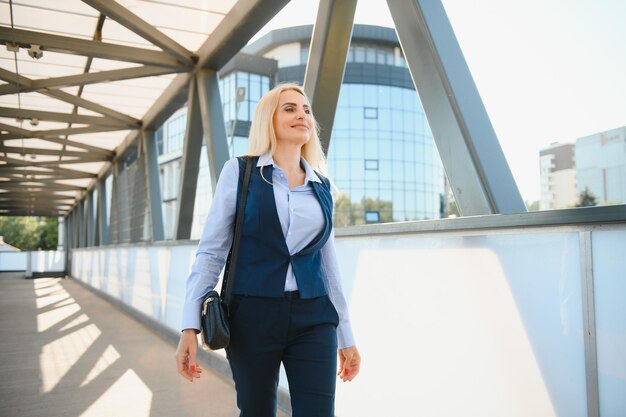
292	120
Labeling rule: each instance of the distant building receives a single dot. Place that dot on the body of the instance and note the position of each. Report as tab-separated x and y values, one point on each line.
601	165
558	176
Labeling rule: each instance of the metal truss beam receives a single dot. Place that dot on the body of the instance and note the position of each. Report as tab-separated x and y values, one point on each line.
327	61
48	186
90	48
53	173
103	221
212	119
82	229
30	205
48	198
153	185
235	30
59	170
90	78
190	165
16	163
43	151
90	219
86	104
26	181
243	21
471	154
142	28
20	176
51	164
37	212
57	117
50	136
13	78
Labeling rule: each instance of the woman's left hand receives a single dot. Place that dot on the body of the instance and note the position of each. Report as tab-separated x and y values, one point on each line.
349	363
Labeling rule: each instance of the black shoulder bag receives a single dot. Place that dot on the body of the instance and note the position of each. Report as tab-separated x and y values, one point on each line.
214	321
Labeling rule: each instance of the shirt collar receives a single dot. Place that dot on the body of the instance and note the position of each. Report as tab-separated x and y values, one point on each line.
267	159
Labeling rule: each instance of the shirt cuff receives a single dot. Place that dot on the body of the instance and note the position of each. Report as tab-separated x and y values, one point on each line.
345	338
191	315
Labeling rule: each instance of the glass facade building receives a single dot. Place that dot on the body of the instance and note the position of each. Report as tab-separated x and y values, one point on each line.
382	156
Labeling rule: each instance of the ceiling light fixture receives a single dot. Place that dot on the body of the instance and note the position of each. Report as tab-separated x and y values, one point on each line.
35	51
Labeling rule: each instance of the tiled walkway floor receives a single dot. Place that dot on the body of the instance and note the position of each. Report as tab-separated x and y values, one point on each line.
66	352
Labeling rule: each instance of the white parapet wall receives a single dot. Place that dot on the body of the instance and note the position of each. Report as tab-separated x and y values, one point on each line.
449	323
33	261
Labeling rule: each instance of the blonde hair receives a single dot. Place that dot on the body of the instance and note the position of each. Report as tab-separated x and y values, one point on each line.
262	135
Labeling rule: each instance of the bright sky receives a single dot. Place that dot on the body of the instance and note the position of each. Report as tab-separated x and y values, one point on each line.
547	71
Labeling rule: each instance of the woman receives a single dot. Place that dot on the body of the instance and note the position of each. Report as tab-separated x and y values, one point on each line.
287	304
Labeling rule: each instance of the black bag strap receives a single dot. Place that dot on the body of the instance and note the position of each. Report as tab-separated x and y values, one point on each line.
231	262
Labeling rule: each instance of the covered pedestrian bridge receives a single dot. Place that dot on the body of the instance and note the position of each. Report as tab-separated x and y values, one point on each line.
498	312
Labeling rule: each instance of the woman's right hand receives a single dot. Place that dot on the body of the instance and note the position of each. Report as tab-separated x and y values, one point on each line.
186	355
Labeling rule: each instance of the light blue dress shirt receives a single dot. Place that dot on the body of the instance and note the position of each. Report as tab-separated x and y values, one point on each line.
301	219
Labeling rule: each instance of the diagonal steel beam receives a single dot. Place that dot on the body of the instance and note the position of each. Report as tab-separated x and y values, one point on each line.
17	197
14	78
91	78
45	134
83	47
57	117
20	163
50	164
51	136
45	200
35	206
126	18
66	142
89	105
54	152
45	187
22	175
43	181
84	160
235	30
327	61
212	120
241	23
18	205
471	154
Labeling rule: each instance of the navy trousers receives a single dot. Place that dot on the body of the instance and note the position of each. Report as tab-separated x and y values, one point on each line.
300	333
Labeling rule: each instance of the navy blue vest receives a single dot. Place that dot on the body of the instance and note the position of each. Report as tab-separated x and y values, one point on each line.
263	254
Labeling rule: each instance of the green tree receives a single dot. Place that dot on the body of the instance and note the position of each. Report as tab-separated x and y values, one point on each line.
383	207
586	198
532	205
453	209
348	213
343	211
30	233
49	233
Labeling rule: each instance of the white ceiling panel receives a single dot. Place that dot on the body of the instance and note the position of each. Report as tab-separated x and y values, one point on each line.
186	22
